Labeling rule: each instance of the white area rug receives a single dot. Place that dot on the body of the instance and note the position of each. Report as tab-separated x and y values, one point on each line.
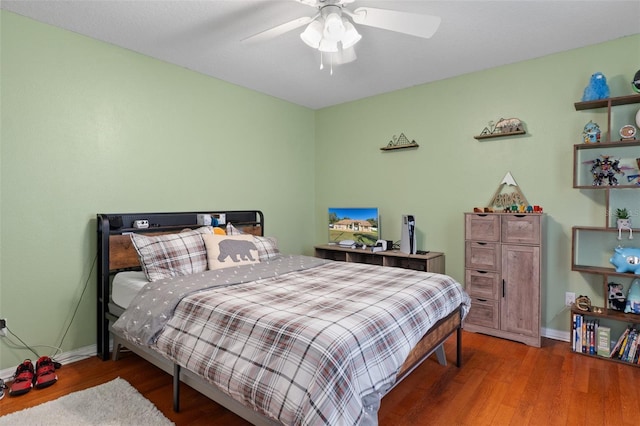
115	403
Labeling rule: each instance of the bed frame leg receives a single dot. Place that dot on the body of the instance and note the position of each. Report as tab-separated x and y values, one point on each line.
176	388
117	345
442	358
459	347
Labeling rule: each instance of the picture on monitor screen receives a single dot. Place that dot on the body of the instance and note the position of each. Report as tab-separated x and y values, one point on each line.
360	224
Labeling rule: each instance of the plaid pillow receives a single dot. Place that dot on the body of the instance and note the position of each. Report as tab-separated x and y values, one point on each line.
267	246
171	255
232	230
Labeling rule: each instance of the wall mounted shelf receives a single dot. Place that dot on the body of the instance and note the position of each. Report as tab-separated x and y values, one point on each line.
608	102
405	146
401	142
500	135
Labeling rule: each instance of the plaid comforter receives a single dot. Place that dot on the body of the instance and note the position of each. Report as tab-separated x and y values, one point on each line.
318	346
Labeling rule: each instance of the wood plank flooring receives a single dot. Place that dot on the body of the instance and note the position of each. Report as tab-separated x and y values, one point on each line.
500	383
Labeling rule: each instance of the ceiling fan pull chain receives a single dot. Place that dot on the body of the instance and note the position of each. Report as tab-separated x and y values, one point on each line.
321	64
331	72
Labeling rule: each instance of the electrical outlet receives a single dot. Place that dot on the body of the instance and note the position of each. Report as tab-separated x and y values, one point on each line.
3	327
569	298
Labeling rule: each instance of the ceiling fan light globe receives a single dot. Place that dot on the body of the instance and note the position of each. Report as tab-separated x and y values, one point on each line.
333	27
312	35
328	46
351	36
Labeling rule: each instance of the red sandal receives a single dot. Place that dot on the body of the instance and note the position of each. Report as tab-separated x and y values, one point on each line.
23	379
45	372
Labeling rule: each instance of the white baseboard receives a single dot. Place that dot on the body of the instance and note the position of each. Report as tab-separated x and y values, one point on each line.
550	333
63	358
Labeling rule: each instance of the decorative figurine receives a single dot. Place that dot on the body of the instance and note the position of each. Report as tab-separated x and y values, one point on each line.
626	259
605	168
628	132
597	88
617	300
583	303
591	133
505	126
633	298
508	125
636	177
635	85
623	222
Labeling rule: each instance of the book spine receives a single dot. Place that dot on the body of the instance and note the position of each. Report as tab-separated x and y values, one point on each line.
633	347
584	336
630	342
574	337
623	345
579	333
604	341
592	338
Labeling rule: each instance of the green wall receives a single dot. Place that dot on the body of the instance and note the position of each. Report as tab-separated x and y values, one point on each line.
91	128
451	172
87	127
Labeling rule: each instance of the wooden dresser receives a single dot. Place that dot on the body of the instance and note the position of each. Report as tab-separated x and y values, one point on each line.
503	270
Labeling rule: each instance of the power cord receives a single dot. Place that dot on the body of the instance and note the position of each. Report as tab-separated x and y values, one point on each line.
14	345
75	311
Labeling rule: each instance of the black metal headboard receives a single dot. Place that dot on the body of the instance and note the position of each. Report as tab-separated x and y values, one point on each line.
113	228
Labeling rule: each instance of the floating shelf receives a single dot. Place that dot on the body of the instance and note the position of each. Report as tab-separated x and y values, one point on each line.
403	146
500	135
602	103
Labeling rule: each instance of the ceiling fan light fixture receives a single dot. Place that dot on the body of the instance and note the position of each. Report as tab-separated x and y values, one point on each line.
312	35
351	35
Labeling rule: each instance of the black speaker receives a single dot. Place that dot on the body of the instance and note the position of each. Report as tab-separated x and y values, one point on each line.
115	222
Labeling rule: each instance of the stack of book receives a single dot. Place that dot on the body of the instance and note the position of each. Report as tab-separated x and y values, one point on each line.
585	335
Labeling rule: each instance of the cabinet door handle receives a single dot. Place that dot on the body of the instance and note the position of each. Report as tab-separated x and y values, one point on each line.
481	244
503	288
481	272
482	300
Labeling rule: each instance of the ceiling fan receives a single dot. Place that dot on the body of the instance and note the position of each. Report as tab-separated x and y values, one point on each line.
332	32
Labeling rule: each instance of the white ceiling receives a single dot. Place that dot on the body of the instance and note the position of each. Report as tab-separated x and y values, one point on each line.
204	36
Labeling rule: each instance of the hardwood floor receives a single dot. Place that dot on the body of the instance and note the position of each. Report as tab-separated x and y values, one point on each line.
500	383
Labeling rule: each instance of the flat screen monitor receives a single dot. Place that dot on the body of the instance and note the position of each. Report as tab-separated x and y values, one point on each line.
360	224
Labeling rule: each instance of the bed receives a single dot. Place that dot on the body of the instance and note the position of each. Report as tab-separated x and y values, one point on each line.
277	339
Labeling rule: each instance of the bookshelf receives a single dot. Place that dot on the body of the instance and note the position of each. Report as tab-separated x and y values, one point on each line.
590	338
592	246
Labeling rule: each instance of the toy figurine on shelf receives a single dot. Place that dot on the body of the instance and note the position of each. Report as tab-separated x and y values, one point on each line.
605	169
617	301
623	222
591	133
636	177
596	89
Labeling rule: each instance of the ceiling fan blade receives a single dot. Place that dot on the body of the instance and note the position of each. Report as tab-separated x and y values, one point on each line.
403	22
279	30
